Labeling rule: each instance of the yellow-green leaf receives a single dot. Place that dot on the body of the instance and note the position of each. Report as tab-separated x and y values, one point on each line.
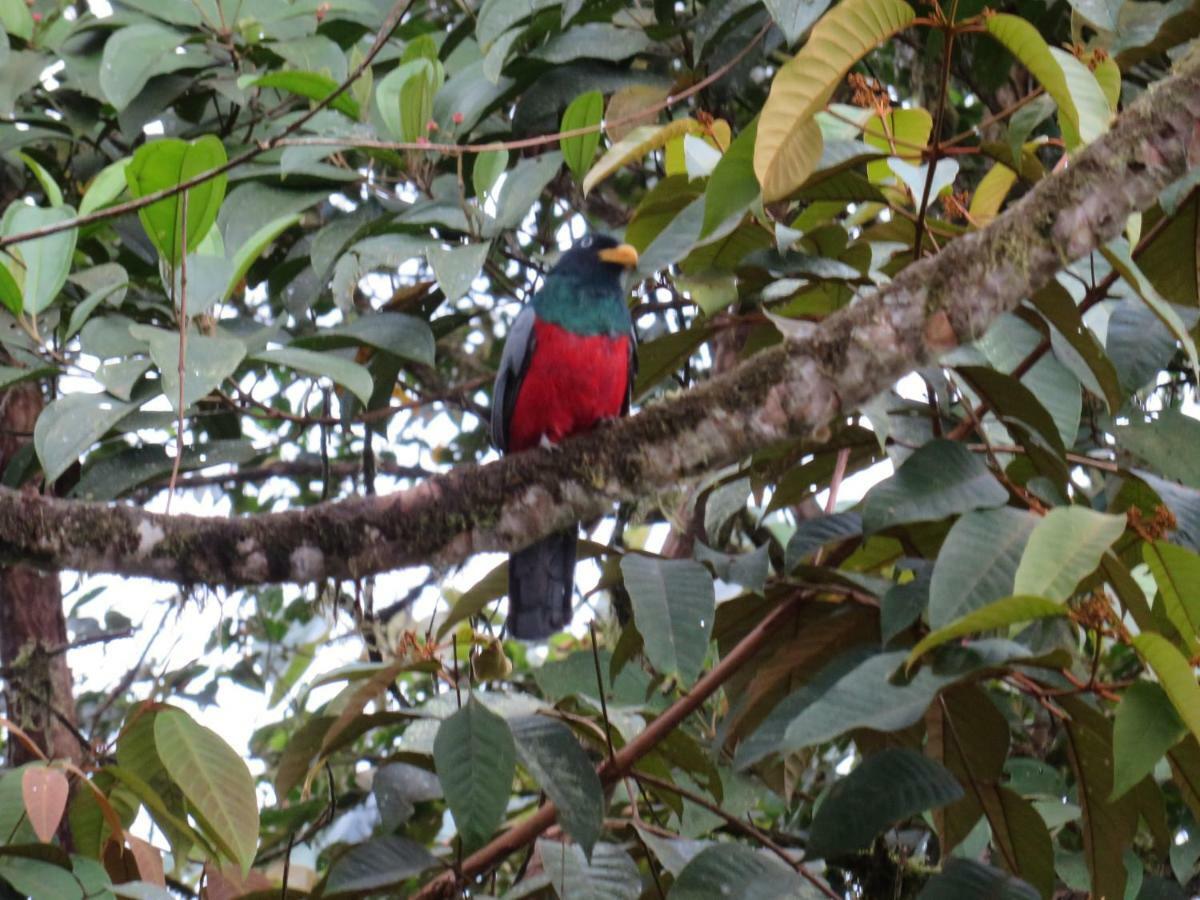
1176	675
1083	109
579	150
213	777
990	193
1176	571
166	163
635	145
903	130
783	154
1001	613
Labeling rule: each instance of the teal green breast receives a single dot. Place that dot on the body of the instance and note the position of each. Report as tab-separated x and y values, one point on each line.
582	307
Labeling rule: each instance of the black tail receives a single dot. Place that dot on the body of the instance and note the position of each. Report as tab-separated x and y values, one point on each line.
541	579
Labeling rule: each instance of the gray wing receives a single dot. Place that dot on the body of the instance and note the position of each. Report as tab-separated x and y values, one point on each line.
633	370
514	361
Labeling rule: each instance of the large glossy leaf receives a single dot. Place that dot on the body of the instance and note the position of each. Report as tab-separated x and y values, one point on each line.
978	562
578	151
168	162
398	787
611	874
1146	726
135	54
940	479
636	145
734	870
36	878
1107	826
732	186
313	85
673	606
348	374
1176	570
475	760
1064	547
1176	675
1165	443
456	268
885	788
1083	109
379	863
208	361
522	187
399	334
812	534
999	614
1021	837
214	779
552	755
966	879
45	261
789	143
794	17
70	425
1121	259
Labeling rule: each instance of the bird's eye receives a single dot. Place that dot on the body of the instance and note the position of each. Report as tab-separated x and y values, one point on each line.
586	242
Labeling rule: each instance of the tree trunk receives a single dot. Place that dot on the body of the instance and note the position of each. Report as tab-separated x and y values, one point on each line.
38	692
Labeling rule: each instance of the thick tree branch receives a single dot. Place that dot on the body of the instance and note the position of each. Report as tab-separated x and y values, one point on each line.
793	390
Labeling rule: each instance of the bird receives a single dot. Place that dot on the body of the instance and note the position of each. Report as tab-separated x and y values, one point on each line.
568	363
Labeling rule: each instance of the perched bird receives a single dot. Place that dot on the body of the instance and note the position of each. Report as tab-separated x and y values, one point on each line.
569	362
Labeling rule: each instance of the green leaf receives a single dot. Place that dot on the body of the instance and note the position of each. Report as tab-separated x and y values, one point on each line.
789	142
208	361
1177	573
732	186
405	97
487	168
1063	548
379	863
1118	255
1083	109
978	562
165	163
16	18
70	425
10	291
635	145
990	193
594	40
1175	674
733	870
1146	726
1167	443
673	606
611	874
348	374
214	779
475	759
457	267
552	755
253	247
794	17
105	187
966	879
307	84
46	261
40	880
892	785
999	614
398	787
49	186
399	334
867	697
585	111
940	479
812	534
136	53
521	189
498	16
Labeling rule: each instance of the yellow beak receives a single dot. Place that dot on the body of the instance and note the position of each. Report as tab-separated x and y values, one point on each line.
623	255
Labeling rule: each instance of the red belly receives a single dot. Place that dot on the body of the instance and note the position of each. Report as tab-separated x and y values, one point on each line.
573	381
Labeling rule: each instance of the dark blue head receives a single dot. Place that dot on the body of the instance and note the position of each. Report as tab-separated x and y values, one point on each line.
597	258
583	292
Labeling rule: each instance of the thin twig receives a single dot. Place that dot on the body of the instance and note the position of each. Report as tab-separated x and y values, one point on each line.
182	365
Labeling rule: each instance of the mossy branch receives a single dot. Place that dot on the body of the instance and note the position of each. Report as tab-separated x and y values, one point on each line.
796	389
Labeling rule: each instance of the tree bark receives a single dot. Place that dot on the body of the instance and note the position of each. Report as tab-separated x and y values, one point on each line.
794	390
39	691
